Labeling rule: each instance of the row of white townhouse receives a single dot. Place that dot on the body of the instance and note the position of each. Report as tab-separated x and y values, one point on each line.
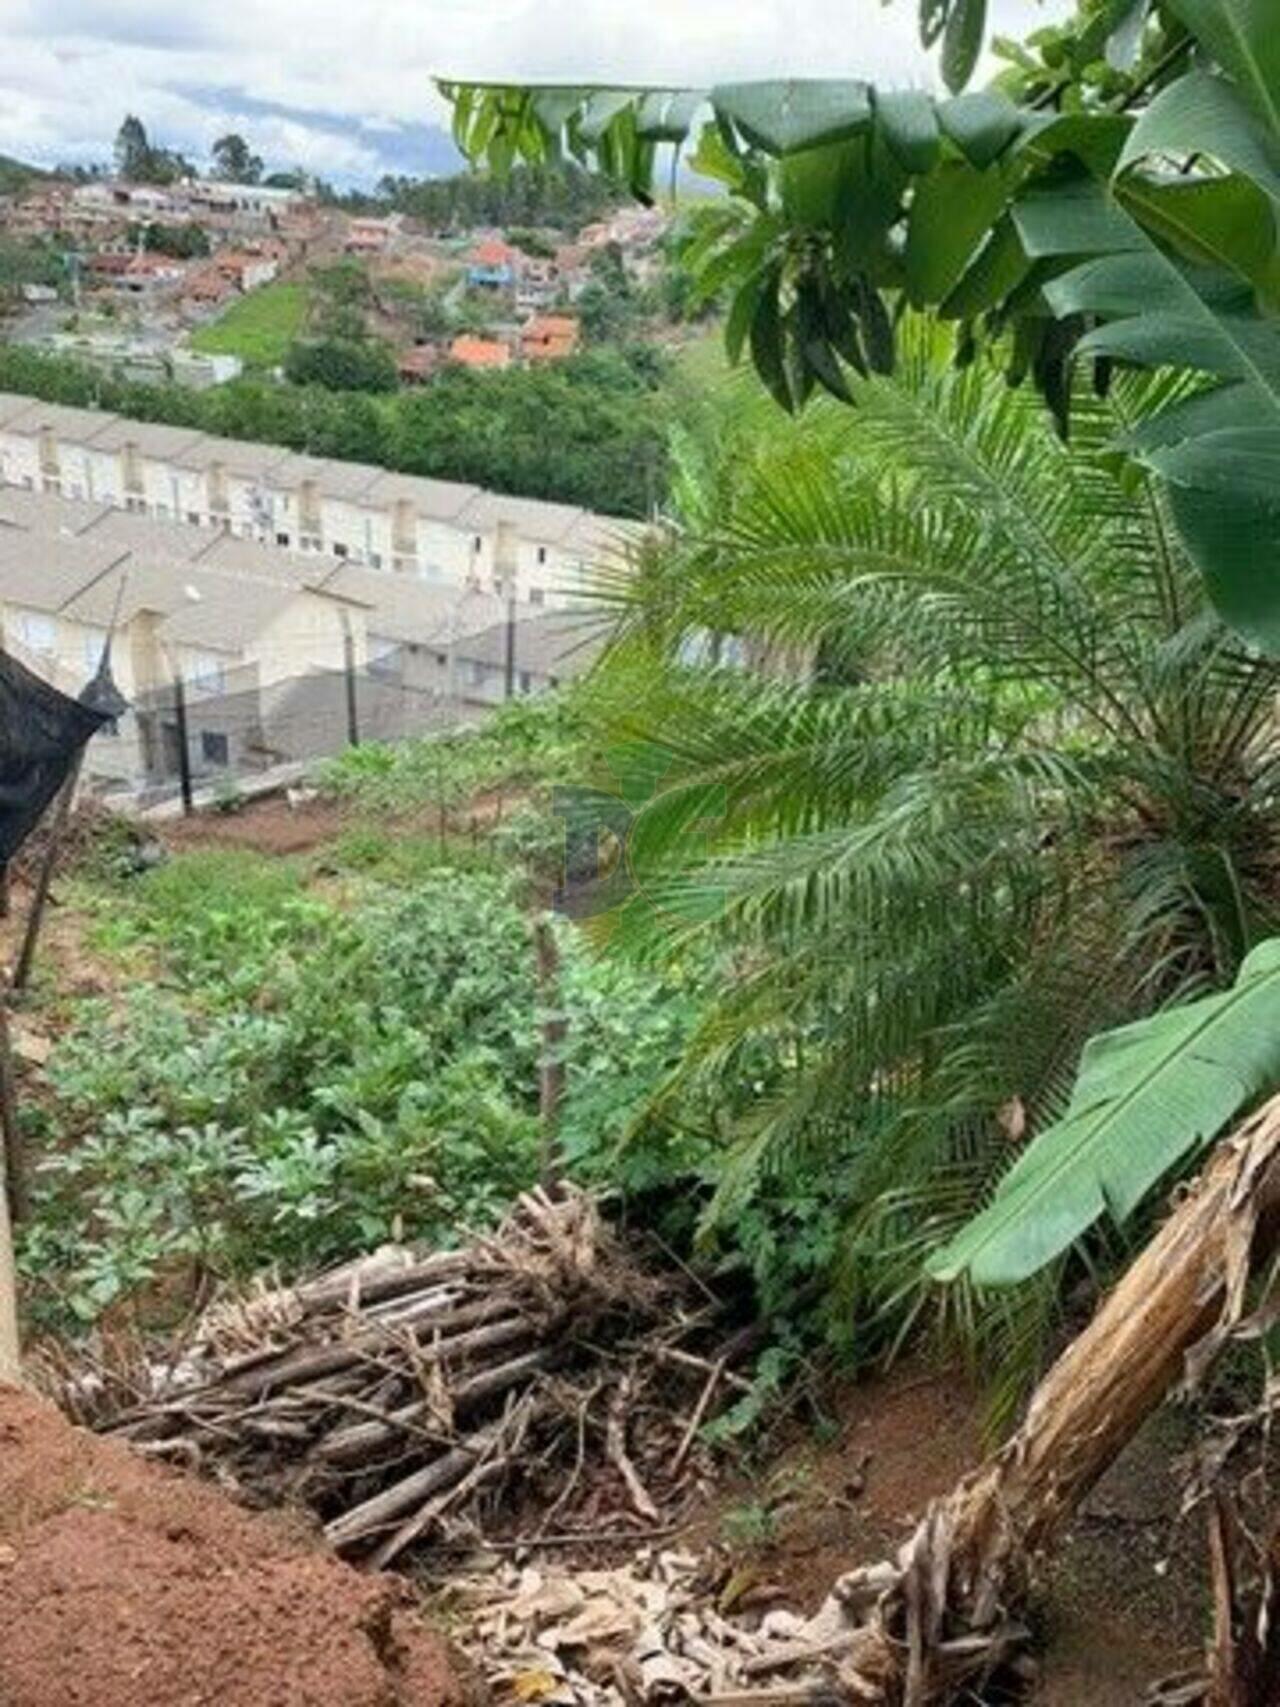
435	530
264	639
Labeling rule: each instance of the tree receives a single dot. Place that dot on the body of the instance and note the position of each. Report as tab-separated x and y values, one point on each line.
234	161
132	149
138	161
1024	799
185	242
342	364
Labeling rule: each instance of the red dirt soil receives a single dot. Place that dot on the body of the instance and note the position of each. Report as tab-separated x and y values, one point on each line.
126	1584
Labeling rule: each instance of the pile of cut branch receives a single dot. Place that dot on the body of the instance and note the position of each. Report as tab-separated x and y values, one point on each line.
542	1370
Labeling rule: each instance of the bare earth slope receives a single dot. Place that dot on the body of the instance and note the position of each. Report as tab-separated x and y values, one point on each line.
124	1582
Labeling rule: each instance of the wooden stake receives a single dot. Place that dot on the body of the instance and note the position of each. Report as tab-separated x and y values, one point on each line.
555	1029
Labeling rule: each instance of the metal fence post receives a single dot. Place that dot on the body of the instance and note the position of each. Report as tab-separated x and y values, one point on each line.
184	749
349	670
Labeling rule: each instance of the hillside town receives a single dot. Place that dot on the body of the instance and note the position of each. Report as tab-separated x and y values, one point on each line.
140	278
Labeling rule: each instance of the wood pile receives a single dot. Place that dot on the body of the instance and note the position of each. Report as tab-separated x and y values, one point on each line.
541	1377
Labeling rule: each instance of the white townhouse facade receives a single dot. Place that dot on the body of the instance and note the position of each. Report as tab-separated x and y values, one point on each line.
442	531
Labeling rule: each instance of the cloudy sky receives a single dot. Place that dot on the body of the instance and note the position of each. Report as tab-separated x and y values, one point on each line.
343	87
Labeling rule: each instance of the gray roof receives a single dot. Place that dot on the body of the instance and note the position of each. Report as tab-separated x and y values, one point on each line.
238	456
436	500
413	611
154	440
339	480
532	518
556	644
77	426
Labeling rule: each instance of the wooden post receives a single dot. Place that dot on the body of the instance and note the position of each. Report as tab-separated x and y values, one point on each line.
555	1028
12	1202
10	1344
44	878
15	1172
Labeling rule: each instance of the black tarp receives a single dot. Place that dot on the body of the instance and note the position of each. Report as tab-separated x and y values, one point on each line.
42	733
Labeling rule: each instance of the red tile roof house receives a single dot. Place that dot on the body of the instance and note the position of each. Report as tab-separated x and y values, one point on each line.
550	337
492	264
479	352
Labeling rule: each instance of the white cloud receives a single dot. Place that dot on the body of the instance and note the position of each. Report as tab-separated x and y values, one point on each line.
320	82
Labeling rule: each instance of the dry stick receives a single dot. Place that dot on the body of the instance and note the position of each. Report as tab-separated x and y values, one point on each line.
616	1451
16	1184
358	1441
695	1421
555	1028
10	1343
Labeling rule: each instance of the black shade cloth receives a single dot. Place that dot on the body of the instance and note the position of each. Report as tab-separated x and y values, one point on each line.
41	734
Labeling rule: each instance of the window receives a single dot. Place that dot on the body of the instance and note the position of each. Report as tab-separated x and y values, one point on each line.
137	506
477	544
526	681
215	749
36	631
164	510
375	560
52	484
542	554
75	489
477	673
537	596
283	539
340	550
553	681
193	518
206	673
442	659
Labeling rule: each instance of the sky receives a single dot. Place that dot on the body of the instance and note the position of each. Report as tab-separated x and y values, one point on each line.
343	88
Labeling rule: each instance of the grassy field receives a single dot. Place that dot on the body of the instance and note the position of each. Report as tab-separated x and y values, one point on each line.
258	328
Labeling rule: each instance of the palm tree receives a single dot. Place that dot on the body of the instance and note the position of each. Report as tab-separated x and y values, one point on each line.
993	778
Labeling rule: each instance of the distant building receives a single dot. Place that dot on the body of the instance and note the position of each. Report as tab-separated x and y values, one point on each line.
492	265
472	352
372	236
404	526
550	337
537	283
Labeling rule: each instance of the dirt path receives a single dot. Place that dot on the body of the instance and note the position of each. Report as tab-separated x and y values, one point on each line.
125	1583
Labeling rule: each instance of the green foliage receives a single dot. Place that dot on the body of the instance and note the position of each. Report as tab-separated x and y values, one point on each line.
259	327
526	744
342	364
565	199
608	452
306	1078
1024	795
184	242
234	161
1146	1095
